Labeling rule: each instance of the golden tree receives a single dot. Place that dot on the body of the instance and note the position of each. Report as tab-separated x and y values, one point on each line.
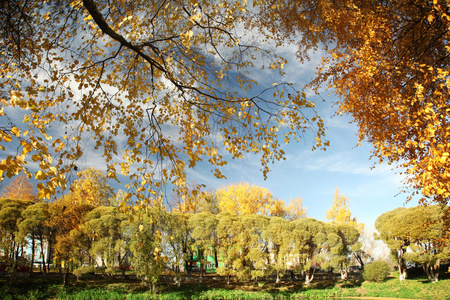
91	187
152	86
388	61
246	199
295	209
340	213
20	187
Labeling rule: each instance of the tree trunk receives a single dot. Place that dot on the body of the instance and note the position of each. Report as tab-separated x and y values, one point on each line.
66	276
200	277
188	267
277	281
432	271
33	244
308	279
402	274
15	259
177	280
344	272
359	259
41	242
49	253
402	271
216	260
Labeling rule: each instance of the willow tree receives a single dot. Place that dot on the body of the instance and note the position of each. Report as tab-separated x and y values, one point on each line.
278	236
227	233
341	239
31	225
153	87
388	61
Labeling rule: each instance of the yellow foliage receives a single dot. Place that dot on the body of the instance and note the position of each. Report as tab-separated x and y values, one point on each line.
246	199
340	212
145	85
19	188
295	209
388	61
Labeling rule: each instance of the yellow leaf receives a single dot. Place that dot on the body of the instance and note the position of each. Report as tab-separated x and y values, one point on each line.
15	131
40	175
7	138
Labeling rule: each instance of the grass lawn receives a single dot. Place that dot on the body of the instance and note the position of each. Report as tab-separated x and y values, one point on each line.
99	288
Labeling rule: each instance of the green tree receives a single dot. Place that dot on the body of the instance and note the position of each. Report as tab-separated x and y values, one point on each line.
178	242
32	226
11	241
340	240
250	249
421	228
277	234
106	229
258	255
392	234
340	214
227	231
377	271
146	245
309	236
204	235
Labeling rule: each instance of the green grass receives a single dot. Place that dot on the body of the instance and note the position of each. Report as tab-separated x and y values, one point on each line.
410	288
99	289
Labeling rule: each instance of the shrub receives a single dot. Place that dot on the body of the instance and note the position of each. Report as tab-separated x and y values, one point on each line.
377	271
82	271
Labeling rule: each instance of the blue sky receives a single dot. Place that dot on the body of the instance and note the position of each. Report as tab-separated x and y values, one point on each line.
311	175
315	175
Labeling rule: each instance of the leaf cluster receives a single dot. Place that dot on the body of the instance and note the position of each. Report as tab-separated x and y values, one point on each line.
153	88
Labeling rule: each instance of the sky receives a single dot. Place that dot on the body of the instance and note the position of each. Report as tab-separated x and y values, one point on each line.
315	175
312	175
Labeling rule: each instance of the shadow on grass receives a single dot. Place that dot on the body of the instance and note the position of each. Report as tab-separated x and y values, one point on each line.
185	291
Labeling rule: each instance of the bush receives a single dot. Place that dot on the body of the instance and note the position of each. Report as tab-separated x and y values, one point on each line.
377	271
83	271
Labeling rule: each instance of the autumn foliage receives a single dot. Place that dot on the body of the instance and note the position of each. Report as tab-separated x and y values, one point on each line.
152	88
388	61
244	199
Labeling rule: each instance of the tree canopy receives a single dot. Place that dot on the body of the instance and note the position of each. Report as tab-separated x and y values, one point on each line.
244	199
340	213
388	61
19	188
154	87
416	234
